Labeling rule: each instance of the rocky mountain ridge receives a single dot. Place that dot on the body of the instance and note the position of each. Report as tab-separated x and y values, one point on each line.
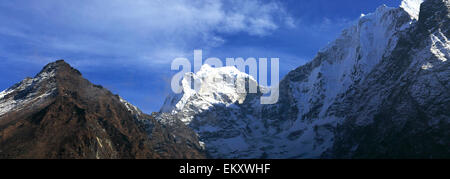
59	114
384	80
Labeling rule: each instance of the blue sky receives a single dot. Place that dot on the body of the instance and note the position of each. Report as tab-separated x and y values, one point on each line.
127	46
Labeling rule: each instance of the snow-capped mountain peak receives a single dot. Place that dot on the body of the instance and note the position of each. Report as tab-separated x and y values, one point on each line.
352	82
59	111
210	86
34	91
412	7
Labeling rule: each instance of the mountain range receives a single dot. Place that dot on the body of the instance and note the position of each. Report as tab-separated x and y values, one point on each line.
59	114
380	90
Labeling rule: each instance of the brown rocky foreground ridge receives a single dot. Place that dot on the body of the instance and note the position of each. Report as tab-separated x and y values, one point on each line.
59	114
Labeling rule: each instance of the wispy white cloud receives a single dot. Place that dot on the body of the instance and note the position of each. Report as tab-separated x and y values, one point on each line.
140	30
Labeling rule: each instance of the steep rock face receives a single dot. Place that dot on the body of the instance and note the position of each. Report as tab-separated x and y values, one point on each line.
412	7
220	112
379	90
216	87
304	114
410	117
59	114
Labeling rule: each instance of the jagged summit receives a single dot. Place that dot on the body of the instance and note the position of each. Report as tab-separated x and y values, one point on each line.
380	90
434	14
59	114
55	79
412	7
215	86
58	66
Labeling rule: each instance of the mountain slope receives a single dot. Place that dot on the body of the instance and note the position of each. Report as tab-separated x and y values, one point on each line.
411	118
59	114
216	110
379	90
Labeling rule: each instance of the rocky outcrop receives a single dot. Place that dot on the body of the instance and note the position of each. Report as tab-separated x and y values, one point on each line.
411	118
59	114
378	91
